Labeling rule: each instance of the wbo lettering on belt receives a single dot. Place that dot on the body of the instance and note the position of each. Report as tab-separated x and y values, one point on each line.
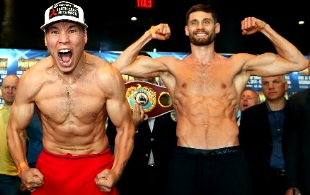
154	99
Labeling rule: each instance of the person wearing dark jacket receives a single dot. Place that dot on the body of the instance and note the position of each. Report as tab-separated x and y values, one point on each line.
296	143
142	174
147	169
260	134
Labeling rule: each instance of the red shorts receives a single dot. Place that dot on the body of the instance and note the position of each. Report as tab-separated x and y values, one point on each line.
72	175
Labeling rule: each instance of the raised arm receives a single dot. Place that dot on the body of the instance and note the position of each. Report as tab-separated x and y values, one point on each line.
289	58
129	64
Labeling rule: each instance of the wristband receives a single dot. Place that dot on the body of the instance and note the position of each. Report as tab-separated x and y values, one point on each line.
21	166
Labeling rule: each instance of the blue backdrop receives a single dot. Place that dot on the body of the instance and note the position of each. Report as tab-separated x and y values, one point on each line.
16	61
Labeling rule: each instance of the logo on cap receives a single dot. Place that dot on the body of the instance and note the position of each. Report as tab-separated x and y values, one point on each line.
64	11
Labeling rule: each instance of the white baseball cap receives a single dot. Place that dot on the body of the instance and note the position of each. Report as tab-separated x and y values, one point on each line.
64	11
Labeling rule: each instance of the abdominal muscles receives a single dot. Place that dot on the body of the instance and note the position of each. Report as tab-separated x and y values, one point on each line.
206	123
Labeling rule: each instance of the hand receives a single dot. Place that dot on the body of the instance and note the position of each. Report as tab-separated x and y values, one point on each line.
105	180
292	191
138	115
31	178
251	25
160	32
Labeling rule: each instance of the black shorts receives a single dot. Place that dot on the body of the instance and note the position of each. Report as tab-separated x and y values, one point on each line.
221	171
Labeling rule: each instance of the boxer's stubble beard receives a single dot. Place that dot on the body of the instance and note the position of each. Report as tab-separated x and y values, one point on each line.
202	42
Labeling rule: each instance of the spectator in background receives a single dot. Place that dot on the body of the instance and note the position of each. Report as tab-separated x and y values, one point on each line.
10	183
147	169
296	143
248	99
260	135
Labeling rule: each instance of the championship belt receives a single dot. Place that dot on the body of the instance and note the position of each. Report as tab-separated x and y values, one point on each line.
155	100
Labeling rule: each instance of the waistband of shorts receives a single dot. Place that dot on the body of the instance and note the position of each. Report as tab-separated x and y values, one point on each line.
68	155
211	152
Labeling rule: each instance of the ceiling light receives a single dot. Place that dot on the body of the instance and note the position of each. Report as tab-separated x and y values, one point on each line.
301	22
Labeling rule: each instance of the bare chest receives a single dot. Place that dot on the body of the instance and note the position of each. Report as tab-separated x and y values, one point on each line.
59	103
205	79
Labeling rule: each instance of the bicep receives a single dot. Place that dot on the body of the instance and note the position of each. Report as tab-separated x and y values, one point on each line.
23	106
21	114
118	111
145	67
268	64
116	104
